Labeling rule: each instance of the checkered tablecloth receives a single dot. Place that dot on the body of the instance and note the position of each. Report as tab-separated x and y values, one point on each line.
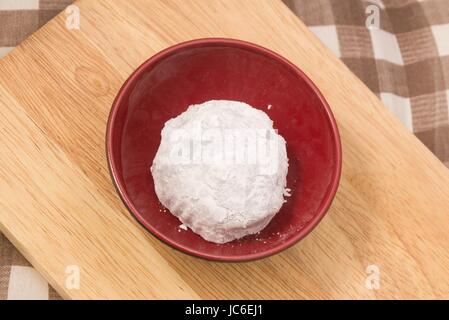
19	19
404	59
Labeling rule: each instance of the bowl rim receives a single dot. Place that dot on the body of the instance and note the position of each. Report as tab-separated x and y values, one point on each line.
119	185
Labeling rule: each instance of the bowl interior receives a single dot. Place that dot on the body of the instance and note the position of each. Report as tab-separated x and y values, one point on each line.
168	83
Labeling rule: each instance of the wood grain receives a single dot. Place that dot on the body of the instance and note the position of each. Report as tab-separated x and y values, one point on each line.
59	207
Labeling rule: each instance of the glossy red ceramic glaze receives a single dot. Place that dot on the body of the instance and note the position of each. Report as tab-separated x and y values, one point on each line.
206	69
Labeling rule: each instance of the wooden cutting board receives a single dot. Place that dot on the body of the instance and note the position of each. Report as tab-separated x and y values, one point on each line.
389	221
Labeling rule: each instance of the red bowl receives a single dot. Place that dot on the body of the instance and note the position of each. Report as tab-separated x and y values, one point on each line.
212	69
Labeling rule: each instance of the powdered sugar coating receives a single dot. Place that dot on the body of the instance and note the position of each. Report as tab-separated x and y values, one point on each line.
198	177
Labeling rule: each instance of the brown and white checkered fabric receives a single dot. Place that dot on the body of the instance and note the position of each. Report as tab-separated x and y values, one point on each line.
405	61
18	279
18	19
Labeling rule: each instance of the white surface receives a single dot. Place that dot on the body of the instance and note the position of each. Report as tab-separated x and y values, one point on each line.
400	107
385	46
5	50
25	283
19	4
328	35
441	35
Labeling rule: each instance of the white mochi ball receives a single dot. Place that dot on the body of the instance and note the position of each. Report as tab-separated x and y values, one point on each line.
221	169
